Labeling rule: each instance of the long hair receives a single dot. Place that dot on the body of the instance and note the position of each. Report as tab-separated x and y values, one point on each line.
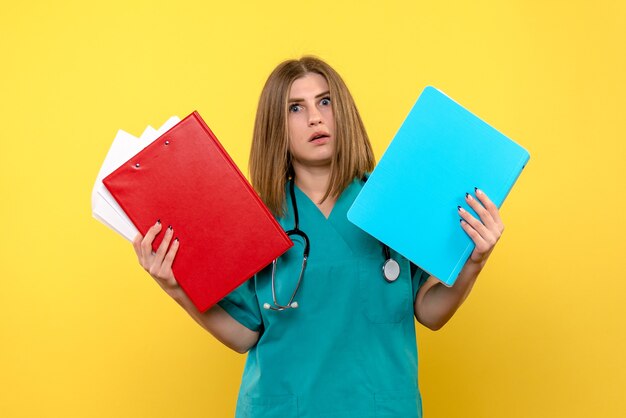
270	161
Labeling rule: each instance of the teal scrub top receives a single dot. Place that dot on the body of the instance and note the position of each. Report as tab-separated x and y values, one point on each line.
349	349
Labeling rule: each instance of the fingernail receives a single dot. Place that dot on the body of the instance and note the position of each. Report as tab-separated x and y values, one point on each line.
460	208
158	222
468	196
477	190
176	239
170	227
461	221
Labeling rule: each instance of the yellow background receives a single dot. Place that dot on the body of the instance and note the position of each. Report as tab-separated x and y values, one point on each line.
85	332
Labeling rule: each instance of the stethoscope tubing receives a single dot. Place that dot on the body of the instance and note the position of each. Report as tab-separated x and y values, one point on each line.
390	268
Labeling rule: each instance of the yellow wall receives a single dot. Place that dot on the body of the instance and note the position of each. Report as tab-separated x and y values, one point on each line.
84	332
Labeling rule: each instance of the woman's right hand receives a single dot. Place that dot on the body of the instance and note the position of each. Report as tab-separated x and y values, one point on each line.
215	320
159	264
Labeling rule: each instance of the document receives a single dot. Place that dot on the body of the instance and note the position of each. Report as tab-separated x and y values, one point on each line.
185	178
441	152
104	207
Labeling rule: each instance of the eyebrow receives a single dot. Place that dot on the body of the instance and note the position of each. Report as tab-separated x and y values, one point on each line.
326	93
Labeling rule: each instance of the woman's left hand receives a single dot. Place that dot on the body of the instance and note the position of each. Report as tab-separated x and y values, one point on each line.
484	232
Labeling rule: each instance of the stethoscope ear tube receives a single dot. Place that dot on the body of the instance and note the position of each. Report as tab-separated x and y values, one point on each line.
299	233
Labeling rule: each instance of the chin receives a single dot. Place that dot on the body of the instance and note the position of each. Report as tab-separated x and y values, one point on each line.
316	162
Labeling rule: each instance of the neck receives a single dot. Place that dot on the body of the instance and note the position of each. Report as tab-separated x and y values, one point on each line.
313	181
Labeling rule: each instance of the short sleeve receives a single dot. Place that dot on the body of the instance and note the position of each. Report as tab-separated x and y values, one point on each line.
418	277
243	306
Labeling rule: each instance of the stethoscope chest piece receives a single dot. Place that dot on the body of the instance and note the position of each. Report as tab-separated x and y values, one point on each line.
391	270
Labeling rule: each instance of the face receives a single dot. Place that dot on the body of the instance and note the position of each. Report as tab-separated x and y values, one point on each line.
311	122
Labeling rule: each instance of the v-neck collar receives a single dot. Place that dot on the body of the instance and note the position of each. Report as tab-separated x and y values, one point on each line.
335	229
337	207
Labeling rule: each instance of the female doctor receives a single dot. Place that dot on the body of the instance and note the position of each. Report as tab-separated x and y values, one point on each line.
332	335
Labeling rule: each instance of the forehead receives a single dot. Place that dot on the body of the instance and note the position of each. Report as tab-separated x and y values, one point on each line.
308	85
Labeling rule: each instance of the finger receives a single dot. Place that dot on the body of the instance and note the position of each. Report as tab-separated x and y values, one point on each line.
474	223
491	208
487	239
482	247
166	267
473	234
137	243
160	253
171	254
480	210
137	247
146	243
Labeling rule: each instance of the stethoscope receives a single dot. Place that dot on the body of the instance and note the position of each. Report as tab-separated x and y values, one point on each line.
390	268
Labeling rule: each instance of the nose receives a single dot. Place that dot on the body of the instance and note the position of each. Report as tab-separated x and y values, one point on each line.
315	118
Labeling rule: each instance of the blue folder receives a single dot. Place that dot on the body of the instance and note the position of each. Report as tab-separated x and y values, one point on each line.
440	152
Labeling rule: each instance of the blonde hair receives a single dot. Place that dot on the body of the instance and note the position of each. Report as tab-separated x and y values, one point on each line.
270	162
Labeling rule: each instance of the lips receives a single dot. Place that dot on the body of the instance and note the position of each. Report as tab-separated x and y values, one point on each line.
318	135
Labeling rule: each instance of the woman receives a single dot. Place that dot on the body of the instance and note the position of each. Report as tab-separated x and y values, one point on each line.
346	347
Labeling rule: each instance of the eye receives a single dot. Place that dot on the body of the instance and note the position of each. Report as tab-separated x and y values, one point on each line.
325	101
294	108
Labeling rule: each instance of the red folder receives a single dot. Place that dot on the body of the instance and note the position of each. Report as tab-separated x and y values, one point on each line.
186	179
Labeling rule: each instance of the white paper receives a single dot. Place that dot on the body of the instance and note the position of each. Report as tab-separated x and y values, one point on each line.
103	206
